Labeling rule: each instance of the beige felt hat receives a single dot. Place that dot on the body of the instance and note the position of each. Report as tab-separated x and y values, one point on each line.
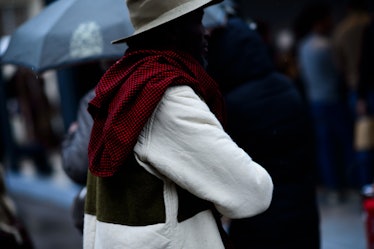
148	14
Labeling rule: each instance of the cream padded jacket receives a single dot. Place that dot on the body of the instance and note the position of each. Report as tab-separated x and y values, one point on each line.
184	144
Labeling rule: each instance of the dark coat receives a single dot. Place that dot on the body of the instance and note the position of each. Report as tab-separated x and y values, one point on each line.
268	119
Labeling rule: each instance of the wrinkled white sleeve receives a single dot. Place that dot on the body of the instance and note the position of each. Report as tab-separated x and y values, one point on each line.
186	143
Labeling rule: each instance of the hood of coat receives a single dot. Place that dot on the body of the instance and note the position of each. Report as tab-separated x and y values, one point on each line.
237	55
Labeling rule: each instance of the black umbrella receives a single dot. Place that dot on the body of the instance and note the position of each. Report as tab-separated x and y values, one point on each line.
68	32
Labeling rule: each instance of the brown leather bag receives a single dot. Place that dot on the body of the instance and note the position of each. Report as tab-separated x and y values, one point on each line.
364	133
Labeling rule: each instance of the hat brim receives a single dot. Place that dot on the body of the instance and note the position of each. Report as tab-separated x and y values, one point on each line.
169	16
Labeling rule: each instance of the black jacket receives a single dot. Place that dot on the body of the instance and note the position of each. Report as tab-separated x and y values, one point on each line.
267	117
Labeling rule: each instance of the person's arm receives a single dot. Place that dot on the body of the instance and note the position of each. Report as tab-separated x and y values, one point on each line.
75	144
186	143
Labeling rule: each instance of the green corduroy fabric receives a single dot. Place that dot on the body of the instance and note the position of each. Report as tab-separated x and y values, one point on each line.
134	197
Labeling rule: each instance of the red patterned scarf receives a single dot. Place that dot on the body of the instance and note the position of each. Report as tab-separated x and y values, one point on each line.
127	95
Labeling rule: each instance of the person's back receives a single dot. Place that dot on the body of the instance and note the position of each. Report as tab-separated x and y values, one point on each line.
347	39
319	74
317	68
266	116
325	93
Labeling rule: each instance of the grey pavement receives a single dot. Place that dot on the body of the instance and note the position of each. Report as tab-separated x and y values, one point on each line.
49	224
44	208
342	223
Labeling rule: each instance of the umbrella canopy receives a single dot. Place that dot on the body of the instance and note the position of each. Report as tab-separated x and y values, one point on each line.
68	32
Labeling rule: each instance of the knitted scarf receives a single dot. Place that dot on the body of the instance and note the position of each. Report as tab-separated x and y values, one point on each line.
127	95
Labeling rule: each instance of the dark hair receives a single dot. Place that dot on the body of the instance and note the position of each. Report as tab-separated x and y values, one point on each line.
156	38
309	16
184	33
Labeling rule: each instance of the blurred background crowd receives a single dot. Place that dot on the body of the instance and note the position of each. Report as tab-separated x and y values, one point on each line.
325	48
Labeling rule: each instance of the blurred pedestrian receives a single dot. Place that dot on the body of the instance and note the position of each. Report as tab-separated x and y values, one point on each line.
32	106
74	153
347	43
323	86
74	149
366	77
161	167
13	234
347	40
365	101
267	117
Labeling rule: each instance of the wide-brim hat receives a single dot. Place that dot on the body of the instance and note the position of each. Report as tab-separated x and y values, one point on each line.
148	14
